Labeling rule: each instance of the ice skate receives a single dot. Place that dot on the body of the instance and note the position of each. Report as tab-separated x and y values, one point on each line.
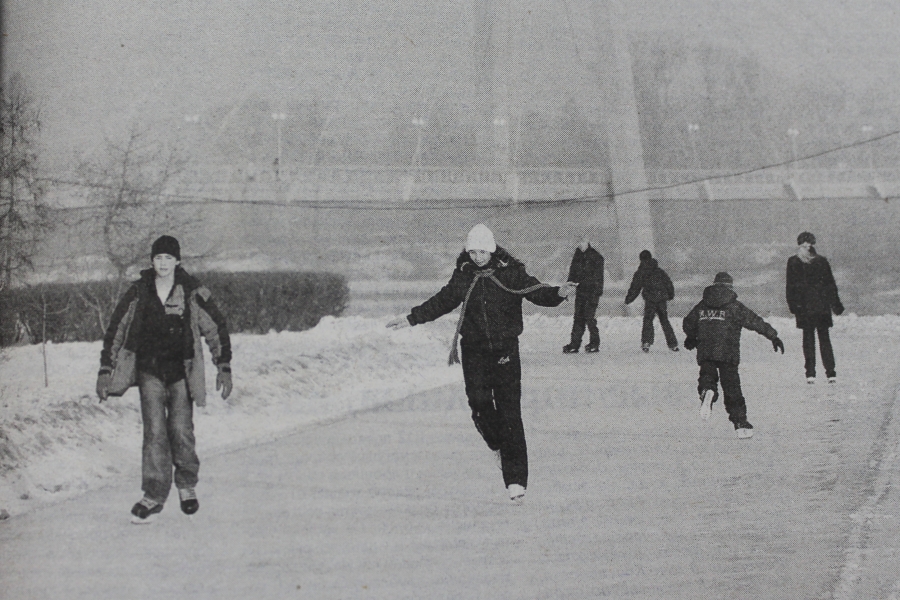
516	492
188	497
646	347
744	430
832	380
810	380
592	348
145	511
706	404
570	349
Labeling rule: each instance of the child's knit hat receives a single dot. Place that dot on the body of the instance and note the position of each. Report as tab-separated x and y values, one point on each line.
806	237
481	238
723	278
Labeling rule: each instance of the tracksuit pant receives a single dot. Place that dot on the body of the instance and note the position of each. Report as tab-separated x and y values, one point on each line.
493	379
167	413
713	371
652	310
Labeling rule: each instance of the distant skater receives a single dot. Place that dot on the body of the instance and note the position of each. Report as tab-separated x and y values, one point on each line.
586	270
812	295
153	341
714	328
654	285
490	284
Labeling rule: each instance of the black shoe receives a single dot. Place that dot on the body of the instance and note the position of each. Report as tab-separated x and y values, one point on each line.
189	504
592	348
144	510
570	349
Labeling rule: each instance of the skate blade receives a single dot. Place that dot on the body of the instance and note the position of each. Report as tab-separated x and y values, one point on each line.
139	521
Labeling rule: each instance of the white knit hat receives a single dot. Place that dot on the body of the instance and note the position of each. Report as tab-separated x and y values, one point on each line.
481	238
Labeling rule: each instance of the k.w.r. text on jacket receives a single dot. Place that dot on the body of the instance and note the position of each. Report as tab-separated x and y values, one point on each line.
200	315
492	315
716	323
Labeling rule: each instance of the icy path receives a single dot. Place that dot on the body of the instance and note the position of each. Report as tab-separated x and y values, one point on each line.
631	496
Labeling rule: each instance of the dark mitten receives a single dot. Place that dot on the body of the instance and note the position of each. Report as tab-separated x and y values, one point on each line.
223	380
778	345
838	308
690	343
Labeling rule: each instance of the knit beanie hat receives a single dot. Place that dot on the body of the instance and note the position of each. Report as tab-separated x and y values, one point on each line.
723	278
645	255
481	238
806	237
166	245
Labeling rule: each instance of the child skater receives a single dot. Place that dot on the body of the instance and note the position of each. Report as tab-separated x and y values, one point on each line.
714	327
490	284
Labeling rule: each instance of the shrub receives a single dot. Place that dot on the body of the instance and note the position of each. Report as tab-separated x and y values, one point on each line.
251	303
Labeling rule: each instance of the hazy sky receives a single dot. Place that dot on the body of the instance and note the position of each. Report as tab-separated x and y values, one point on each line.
98	65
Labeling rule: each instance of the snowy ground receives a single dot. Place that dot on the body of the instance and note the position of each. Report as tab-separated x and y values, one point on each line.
58	441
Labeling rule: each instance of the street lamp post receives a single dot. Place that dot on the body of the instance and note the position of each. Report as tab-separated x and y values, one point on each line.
693	128
793	133
867	132
279	119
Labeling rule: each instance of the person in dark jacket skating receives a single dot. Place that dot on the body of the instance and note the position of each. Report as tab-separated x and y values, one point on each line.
586	271
154	341
490	284
812	295
654	285
714	328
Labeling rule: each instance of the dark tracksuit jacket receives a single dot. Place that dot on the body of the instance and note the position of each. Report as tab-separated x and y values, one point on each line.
490	329
715	326
586	270
656	288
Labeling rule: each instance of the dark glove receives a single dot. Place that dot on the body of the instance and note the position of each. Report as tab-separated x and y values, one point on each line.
103	380
838	308
690	343
777	345
223	381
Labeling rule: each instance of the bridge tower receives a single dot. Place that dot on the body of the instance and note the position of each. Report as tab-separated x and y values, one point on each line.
604	58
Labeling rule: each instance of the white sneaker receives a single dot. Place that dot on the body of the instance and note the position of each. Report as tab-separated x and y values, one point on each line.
516	492
744	434
832	380
706	404
810	380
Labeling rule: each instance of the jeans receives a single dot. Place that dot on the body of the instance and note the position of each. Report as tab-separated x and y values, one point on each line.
651	310
809	350
710	373
493	378
167	413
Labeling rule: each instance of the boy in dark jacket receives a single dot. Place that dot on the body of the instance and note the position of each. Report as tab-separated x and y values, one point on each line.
586	271
490	284
153	341
654	285
812	295
714	327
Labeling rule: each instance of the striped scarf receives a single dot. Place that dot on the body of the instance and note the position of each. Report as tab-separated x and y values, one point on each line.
486	274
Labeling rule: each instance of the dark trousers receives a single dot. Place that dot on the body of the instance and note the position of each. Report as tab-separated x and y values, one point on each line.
809	350
711	372
167	413
652	310
586	301
493	378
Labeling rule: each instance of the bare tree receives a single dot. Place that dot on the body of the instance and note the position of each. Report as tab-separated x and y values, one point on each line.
24	217
129	192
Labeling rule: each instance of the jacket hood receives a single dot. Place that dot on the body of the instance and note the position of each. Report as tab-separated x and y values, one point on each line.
719	295
650	263
500	258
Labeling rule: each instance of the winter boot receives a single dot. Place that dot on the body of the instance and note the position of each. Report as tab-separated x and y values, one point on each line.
145	511
188	497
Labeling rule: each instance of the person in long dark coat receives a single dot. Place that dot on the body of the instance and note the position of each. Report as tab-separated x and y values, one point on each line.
812	296
586	270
